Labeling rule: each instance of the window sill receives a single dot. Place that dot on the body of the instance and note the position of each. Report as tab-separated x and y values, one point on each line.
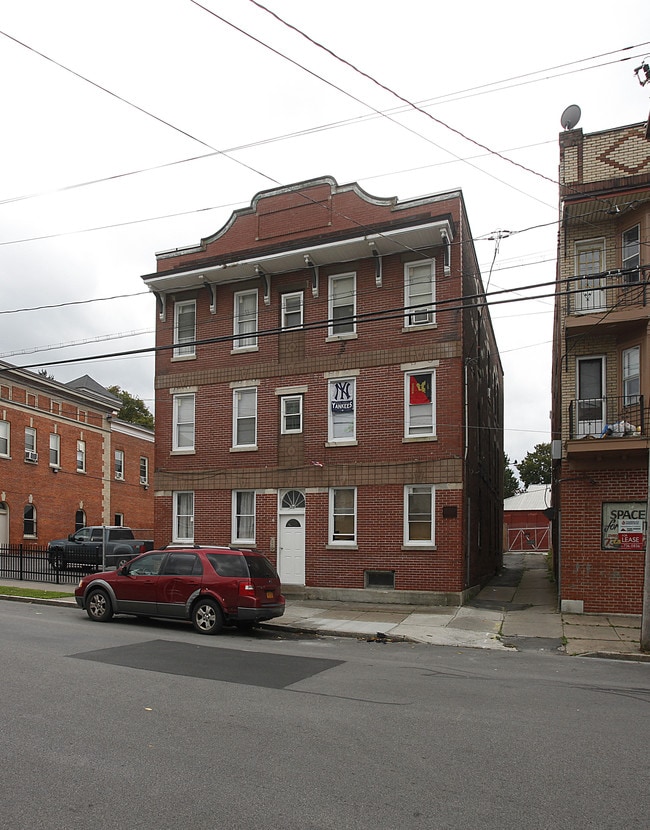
351	443
423	327
179	358
190	451
245	349
342	546
333	338
419	546
242	543
252	448
419	439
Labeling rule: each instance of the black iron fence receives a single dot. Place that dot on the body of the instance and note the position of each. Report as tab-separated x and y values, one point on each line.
611	417
608	291
30	563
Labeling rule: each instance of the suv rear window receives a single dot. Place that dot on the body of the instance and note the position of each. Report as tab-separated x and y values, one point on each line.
260	567
228	564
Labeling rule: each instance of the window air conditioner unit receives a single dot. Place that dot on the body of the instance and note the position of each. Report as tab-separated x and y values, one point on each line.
31	456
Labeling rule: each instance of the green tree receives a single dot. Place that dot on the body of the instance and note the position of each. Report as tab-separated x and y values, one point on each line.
510	481
536	466
133	410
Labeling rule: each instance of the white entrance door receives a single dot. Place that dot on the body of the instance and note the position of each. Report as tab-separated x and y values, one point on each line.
291	542
4	524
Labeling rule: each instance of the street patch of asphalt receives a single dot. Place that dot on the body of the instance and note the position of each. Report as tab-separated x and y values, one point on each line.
250	668
550	644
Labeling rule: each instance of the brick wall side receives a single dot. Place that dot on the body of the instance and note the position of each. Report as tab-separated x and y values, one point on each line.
605	580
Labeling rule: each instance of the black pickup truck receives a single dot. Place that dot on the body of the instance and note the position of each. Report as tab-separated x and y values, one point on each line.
87	547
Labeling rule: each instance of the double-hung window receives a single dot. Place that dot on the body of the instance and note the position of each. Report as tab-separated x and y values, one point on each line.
291	417
30	445
119	465
183	422
631	376
81	456
29	521
4	438
589	267
419	293
419	503
245	417
342	409
55	450
183	518
292	310
342	304
243	516
419	404
144	469
185	328
342	515
631	256
245	320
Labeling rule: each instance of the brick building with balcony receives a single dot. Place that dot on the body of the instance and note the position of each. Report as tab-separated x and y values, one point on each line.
601	370
329	391
67	461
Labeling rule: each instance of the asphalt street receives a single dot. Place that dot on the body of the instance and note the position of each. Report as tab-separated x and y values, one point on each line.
149	725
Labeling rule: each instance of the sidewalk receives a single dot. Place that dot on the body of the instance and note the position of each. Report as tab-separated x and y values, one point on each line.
516	611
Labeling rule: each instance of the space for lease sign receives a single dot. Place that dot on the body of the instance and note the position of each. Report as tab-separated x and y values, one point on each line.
624	525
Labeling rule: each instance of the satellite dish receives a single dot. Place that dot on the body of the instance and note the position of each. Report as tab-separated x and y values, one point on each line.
570	117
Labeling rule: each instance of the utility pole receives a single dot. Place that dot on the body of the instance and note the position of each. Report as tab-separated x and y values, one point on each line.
645	612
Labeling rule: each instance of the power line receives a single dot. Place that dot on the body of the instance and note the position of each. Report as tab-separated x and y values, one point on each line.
379	112
135	106
469	302
74	302
404	100
225	153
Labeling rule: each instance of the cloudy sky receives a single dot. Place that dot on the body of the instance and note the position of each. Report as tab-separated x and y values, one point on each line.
137	126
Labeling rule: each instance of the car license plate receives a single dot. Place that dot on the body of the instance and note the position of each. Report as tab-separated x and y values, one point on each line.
269	594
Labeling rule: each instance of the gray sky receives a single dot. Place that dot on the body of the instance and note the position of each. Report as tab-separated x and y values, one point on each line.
161	83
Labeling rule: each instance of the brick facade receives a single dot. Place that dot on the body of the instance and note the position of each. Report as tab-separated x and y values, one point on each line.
291	241
601	369
80	481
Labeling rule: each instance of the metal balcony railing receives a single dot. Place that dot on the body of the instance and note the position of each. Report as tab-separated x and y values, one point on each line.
608	291
623	417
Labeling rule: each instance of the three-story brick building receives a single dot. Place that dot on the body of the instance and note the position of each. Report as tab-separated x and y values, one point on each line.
67	461
601	370
329	390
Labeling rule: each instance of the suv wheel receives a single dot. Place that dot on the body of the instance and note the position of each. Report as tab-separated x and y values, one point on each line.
207	617
98	605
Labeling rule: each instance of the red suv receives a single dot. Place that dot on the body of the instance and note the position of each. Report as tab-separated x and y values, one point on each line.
212	587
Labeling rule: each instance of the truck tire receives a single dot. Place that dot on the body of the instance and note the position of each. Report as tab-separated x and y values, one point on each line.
58	560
